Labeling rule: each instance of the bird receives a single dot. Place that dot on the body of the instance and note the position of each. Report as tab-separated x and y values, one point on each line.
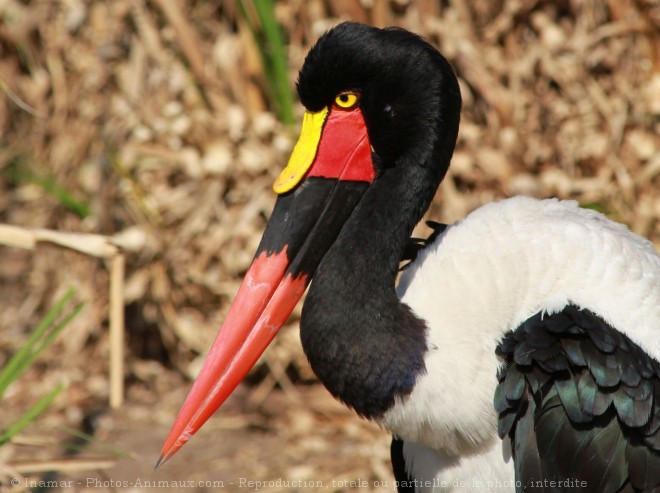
519	348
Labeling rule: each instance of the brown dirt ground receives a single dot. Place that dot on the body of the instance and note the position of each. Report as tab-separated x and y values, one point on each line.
155	115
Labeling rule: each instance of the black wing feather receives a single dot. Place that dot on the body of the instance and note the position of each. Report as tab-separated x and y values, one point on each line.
526	451
644	473
416	245
581	403
404	482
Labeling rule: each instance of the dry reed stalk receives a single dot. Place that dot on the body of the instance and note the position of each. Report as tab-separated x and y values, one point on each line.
96	246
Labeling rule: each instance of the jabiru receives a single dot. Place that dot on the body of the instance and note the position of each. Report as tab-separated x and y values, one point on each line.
520	348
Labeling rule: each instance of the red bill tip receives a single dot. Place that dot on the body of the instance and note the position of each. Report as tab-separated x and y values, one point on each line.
265	300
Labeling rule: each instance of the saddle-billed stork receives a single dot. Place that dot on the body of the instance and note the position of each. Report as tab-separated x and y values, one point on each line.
520	349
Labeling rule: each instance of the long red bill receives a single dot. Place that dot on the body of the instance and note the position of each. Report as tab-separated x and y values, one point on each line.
328	172
265	300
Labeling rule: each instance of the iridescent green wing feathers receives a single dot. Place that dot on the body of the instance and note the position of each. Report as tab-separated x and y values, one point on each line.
581	404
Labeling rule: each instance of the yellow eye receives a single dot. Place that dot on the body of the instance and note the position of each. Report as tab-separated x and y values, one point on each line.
346	100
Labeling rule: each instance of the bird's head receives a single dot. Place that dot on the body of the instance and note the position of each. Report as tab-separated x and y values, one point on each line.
376	100
406	90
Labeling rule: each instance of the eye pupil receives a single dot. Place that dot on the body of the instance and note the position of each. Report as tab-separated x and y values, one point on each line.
346	100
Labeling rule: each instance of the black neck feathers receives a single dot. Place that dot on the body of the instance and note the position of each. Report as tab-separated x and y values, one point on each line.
364	344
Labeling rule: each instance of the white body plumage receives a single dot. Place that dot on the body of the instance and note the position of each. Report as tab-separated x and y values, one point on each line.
485	276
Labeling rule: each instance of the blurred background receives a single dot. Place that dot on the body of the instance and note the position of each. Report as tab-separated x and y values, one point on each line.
161	125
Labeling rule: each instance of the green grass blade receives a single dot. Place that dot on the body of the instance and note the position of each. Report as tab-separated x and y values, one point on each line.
18	425
16	365
65	197
595	206
18	171
50	337
276	59
270	41
30	351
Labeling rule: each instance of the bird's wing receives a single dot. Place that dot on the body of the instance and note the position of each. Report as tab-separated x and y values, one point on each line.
416	245
580	402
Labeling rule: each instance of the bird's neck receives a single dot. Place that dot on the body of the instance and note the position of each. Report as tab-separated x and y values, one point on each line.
363	343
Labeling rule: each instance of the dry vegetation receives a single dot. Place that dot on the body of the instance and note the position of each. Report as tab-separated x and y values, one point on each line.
150	122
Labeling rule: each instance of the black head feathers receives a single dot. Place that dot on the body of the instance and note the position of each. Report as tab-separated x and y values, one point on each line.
409	94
